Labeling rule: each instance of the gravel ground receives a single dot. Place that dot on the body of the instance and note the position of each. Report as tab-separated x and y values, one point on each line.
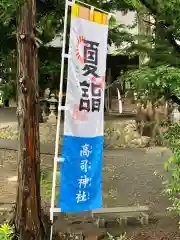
130	177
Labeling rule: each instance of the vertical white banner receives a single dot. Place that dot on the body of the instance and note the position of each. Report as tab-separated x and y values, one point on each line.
81	172
86	79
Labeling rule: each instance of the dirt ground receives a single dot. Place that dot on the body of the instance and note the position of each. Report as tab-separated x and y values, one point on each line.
134	177
130	177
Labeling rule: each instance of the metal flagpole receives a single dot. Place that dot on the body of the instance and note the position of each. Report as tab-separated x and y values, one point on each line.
59	116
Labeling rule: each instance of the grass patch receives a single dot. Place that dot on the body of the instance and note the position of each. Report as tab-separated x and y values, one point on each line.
46	183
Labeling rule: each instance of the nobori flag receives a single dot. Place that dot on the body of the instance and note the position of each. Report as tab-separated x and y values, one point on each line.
81	171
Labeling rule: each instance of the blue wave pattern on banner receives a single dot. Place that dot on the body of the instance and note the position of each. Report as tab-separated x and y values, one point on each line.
81	174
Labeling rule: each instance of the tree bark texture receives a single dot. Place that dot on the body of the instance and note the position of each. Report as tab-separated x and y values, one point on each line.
28	205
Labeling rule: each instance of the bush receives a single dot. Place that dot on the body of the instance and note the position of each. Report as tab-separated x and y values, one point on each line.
172	139
6	232
122	237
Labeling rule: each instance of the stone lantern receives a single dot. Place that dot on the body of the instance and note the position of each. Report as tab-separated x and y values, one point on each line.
53	102
176	114
43	117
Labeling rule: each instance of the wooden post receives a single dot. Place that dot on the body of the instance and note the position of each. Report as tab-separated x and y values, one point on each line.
28	206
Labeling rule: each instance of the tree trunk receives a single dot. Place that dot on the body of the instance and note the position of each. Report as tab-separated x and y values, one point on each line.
28	222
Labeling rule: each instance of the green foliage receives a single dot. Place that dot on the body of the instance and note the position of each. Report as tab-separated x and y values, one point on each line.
167	18
49	22
7	9
162	46
111	5
135	3
172	138
9	90
122	237
160	76
50	16
155	83
6	232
